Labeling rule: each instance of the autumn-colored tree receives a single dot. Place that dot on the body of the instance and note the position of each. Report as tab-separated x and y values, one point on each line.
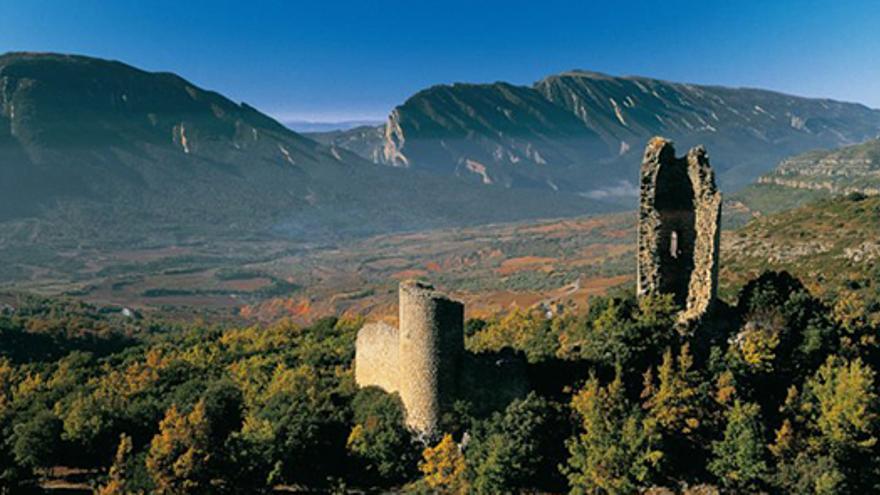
179	461
678	401
617	451
675	401
444	469
117	479
527	331
858	317
829	442
843	404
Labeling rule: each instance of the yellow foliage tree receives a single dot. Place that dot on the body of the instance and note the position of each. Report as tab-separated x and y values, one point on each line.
179	457
674	402
117	484
444	468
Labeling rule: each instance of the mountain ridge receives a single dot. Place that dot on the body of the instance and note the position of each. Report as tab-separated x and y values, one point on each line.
98	149
747	130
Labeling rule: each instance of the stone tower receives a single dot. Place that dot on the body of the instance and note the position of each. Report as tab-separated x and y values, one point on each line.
420	360
679	228
431	343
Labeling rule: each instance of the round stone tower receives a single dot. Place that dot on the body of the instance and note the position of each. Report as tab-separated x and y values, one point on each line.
431	343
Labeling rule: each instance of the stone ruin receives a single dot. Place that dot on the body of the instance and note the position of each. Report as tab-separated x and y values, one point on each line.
425	363
424	360
679	228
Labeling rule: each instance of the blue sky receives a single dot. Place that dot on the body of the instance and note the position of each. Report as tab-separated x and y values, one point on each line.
339	60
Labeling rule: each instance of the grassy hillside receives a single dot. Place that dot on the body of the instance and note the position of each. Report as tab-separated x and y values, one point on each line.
832	245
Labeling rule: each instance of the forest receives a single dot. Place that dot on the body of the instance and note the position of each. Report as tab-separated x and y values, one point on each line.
775	392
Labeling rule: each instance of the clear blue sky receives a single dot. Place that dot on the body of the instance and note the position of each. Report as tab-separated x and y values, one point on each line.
335	60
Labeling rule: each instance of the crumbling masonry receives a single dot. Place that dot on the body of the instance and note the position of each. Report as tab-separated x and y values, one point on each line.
679	228
426	364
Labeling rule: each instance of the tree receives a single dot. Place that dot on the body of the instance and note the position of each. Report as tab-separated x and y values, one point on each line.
510	451
36	442
739	458
829	442
847	412
179	460
379	438
617	451
444	468
118	482
675	401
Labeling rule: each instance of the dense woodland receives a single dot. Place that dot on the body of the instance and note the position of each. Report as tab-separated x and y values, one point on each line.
775	393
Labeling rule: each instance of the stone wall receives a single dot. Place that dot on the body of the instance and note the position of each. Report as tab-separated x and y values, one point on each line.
679	227
375	361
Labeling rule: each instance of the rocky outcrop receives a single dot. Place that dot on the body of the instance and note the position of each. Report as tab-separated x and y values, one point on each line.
679	228
843	170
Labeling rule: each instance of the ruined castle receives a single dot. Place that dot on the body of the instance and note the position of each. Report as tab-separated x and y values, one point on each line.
424	360
679	228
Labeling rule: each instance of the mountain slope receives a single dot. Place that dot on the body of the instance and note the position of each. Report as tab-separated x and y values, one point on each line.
584	131
832	245
98	150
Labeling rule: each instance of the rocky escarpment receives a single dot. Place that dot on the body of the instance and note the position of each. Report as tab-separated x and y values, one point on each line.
845	170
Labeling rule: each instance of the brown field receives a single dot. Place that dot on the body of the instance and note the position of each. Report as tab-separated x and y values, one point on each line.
492	268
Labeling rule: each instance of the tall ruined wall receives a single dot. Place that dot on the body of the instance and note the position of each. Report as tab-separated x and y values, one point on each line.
679	227
707	204
375	360
431	343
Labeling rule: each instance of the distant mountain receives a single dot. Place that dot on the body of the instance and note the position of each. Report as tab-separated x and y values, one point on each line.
584	132
98	151
307	126
366	141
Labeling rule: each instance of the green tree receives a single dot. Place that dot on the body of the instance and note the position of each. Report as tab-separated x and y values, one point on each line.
380	439
36	441
739	459
510	451
617	451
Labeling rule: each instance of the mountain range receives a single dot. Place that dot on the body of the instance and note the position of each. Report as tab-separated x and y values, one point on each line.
95	150
583	132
